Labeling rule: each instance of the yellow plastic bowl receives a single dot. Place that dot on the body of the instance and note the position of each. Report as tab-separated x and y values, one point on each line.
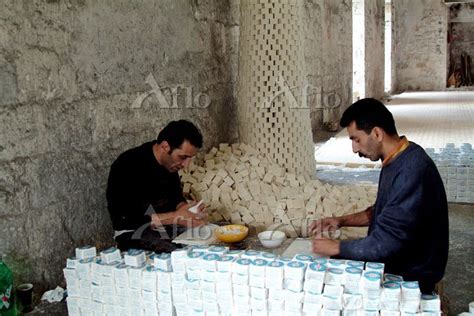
231	233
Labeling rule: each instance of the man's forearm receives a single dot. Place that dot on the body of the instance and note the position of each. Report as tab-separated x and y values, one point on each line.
160	219
357	219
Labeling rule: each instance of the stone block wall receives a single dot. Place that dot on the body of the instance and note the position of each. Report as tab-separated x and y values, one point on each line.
327	46
374	48
419	51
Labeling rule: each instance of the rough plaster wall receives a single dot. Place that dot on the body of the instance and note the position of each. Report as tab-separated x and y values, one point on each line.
461	19
420	49
374	48
327	47
312	31
328	59
69	73
336	60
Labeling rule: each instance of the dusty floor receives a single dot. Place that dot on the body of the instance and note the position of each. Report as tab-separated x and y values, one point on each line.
459	277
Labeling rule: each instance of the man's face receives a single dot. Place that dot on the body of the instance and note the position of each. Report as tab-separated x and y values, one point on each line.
180	157
366	145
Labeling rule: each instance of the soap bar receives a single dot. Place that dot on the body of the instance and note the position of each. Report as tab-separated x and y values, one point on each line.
257	267
71	262
86	252
162	262
295	270
110	255
135	257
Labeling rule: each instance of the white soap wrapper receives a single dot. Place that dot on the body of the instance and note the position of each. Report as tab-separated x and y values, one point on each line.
241	266
316	271
314	298
337	263
259	293
410	289
257	281
333	303
209	262
72	262
276	305
86	252
258	267
375	266
351	275
241	290
163	262
135	257
371	280
240	279
294	296
224	263
110	255
352	301
295	285
384	312
295	270
312	308
208	276
258	304
276	294
334	276
371	304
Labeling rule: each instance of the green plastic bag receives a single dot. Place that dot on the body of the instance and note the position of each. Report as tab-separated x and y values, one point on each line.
7	303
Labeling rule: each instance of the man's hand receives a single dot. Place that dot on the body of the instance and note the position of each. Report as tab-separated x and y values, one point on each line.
319	226
326	247
186	218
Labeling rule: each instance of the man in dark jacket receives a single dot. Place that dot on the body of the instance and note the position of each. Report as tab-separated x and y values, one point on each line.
144	194
408	224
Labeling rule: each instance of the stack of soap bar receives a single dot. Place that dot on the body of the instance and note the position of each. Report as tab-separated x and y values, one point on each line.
410	301
86	252
214	281
135	258
110	255
162	261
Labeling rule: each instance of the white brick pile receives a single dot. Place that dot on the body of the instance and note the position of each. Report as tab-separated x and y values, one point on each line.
456	167
215	281
242	186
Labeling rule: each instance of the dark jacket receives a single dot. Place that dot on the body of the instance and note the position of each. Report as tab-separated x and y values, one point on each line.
409	226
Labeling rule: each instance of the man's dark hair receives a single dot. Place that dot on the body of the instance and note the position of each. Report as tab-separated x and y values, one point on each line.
176	132
367	114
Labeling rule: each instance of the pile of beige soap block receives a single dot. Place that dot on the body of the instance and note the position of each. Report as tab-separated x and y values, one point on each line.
242	186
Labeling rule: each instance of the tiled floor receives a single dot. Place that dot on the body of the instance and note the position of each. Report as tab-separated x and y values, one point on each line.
430	119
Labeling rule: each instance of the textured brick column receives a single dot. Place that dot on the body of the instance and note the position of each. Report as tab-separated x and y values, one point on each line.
273	114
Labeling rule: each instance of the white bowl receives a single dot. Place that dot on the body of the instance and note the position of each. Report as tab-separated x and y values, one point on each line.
272	238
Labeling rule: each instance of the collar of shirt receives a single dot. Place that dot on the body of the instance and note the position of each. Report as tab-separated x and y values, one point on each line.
402	145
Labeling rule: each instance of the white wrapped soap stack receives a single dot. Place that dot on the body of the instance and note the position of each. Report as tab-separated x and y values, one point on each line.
456	167
213	280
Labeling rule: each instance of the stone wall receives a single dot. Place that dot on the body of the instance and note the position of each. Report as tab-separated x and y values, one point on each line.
70	75
312	31
374	48
419	48
336	60
328	60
